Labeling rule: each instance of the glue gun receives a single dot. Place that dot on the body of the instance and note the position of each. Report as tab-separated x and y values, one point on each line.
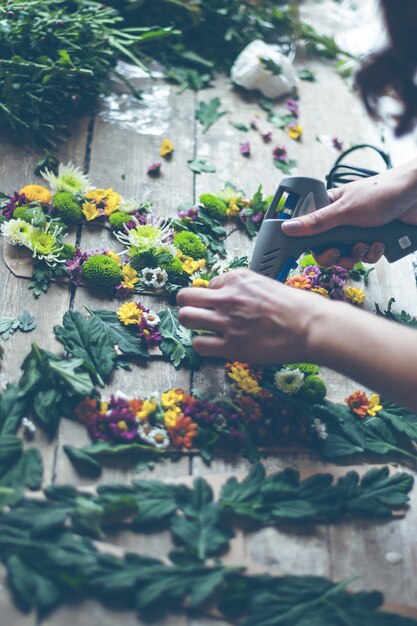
275	253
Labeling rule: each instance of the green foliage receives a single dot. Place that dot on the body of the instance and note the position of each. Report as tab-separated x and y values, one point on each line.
208	113
56	58
177	343
118	219
102	272
87	339
24	322
403	317
67	207
286	167
42	276
120	335
176	274
190	244
214	207
68	251
306	74
198	166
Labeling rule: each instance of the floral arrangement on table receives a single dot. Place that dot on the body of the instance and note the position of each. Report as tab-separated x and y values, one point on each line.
158	253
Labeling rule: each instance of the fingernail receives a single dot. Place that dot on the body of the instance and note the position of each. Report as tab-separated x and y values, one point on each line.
361	251
379	248
292	226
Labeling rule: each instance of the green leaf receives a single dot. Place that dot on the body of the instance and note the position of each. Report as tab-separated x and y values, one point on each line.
200	165
119	335
87	339
306	74
271	66
83	462
240	126
403	317
26	321
208	113
8	326
70	373
285	166
12	410
399	419
177	342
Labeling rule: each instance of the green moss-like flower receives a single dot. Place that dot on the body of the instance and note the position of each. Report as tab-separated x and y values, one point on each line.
307	260
176	274
68	251
214	207
22	213
102	271
67	207
314	389
190	245
118	219
308	369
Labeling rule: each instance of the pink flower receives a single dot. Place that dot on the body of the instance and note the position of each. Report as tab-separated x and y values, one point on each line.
245	149
280	153
154	169
267	136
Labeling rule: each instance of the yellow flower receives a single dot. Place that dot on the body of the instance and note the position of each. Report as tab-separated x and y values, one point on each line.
104	406
37	193
171	398
171	416
90	211
200	282
130	276
122	425
147	409
321	291
112	202
166	148
240	373
355	295
97	195
295	131
374	407
129	313
190	266
233	209
113	255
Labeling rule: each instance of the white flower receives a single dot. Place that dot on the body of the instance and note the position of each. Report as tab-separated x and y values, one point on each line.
147	276
156	436
29	426
320	428
289	380
128	206
17	232
160	278
70	178
221	267
43	242
152	319
153	234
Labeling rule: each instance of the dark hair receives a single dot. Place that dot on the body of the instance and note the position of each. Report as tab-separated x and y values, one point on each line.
393	70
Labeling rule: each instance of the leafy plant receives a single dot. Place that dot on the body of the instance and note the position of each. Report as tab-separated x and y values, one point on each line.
24	322
200	165
177	343
208	113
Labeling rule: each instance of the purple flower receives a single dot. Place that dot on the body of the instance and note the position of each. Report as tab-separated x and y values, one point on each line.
313	273
280	153
337	144
267	136
17	199
191	214
258	217
245	149
119	424
154	169
292	106
254	123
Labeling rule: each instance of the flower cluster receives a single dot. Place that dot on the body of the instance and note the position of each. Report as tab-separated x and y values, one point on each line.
328	282
146	322
362	406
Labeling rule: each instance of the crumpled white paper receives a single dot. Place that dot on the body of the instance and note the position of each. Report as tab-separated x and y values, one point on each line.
250	72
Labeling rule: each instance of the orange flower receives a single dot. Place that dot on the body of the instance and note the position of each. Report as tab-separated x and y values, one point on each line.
86	409
183	433
250	409
299	282
358	403
135	404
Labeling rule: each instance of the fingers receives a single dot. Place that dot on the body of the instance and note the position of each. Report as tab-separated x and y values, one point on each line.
328	257
317	222
197	319
210	346
361	251
376	251
197	297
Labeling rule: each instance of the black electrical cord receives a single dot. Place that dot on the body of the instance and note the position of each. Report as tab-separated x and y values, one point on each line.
341	173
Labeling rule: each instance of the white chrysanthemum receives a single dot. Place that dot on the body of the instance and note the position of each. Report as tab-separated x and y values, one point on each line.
152	319
17	232
153	234
128	206
156	437
289	381
44	244
70	178
320	428
160	278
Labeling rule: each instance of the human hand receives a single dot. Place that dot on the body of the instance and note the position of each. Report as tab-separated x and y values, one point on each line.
368	202
255	318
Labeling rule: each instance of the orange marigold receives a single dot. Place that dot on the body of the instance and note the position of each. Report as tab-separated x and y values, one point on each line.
86	409
135	404
358	403
183	433
299	282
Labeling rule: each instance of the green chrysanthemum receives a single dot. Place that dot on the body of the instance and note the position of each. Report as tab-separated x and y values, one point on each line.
67	207
214	207
190	245
70	178
102	271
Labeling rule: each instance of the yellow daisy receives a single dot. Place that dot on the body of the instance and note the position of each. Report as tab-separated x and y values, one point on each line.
37	193
129	313
90	211
130	276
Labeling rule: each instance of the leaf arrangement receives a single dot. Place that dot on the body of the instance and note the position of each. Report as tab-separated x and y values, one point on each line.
24	322
46	547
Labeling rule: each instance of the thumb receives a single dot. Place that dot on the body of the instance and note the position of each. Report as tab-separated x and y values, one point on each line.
317	222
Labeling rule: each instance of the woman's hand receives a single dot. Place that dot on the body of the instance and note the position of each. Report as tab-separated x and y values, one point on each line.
369	202
256	319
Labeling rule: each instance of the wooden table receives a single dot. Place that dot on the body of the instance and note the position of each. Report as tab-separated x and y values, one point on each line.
118	156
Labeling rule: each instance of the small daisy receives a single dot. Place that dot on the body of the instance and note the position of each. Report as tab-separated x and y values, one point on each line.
160	278
289	380
147	276
320	428
70	178
152	319
128	206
